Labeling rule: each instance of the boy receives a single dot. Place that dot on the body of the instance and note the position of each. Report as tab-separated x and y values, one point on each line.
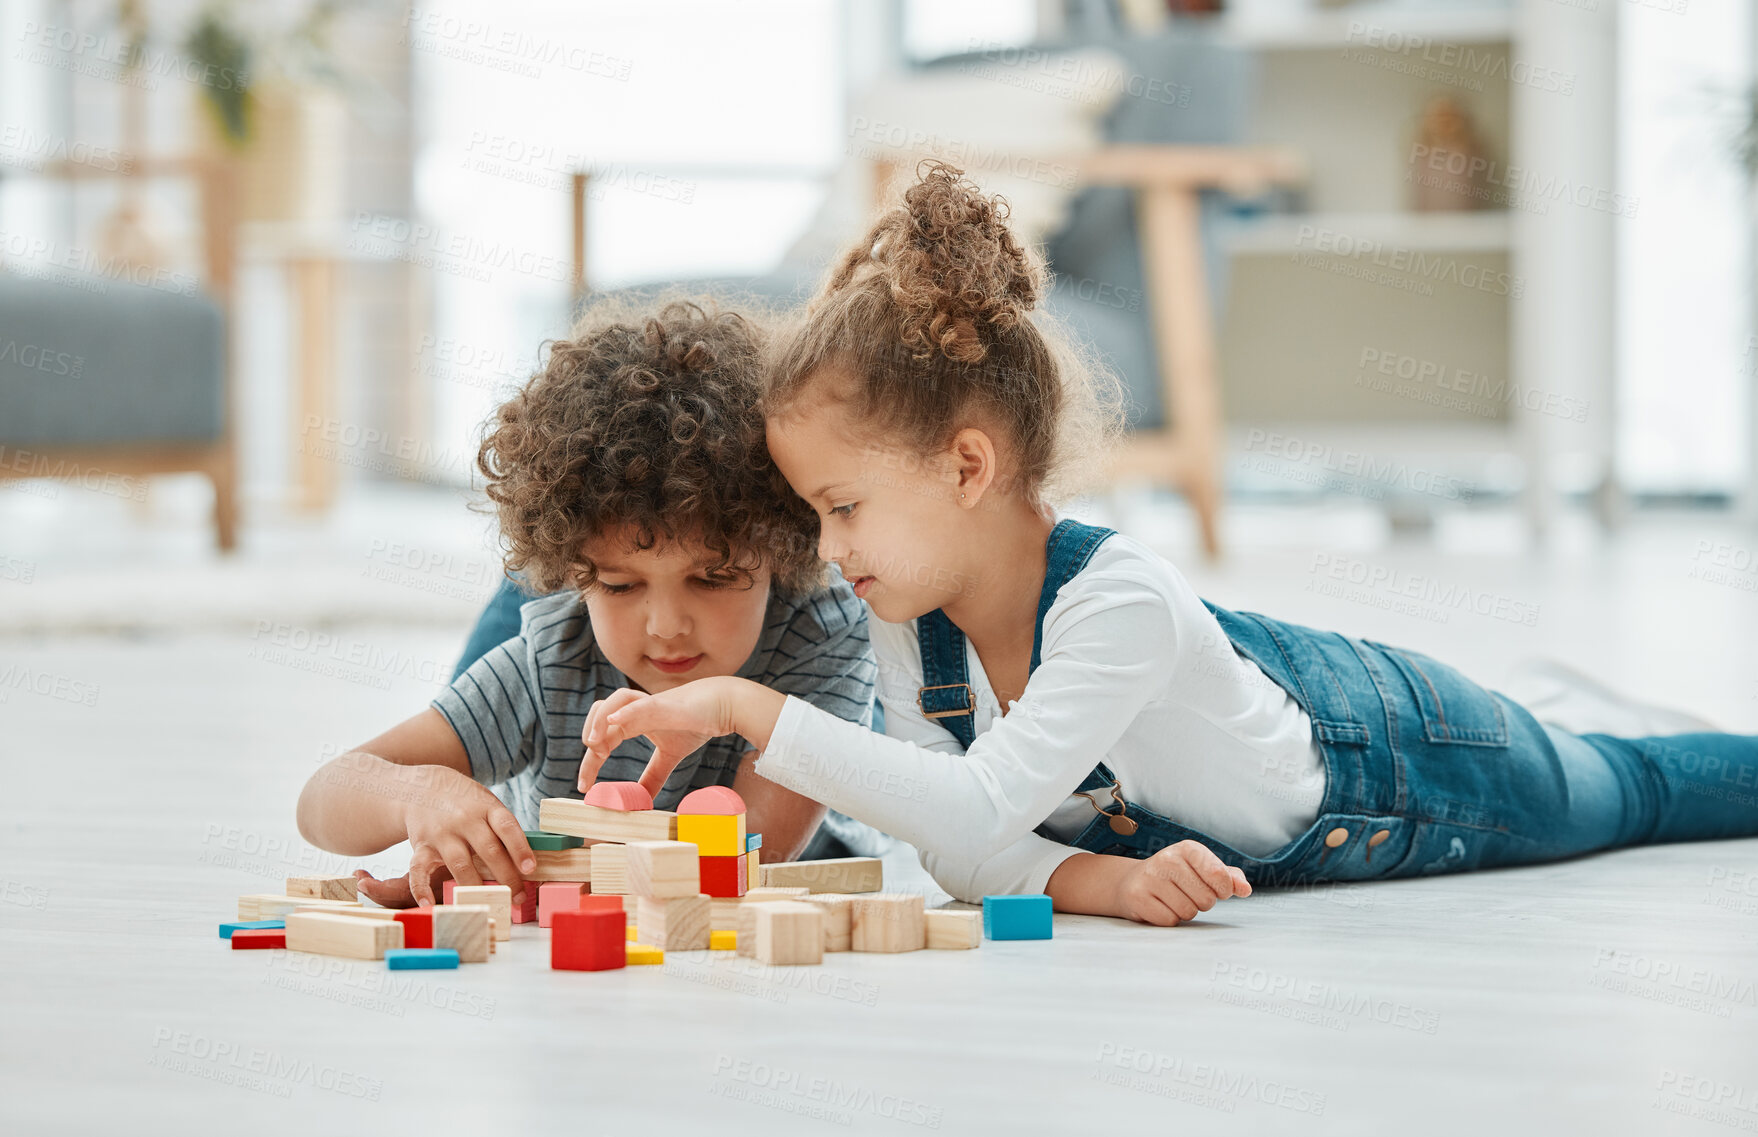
633	471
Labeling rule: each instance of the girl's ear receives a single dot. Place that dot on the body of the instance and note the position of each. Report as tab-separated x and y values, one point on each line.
973	459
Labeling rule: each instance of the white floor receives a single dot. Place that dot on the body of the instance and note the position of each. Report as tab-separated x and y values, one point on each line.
158	716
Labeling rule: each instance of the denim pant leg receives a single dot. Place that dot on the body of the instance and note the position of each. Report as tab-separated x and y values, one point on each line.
1683	787
498	623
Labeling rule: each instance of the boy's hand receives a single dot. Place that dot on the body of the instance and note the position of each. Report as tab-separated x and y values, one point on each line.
396	891
1176	883
455	822
678	721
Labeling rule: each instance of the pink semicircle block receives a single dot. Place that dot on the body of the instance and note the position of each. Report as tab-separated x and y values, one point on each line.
713	799
626	796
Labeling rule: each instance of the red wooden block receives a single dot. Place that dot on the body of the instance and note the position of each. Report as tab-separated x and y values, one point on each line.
713	799
588	941
446	891
602	904
246	938
619	795
417	926
525	913
722	876
559	896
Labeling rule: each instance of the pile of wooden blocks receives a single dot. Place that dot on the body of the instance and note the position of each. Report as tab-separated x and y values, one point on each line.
324	915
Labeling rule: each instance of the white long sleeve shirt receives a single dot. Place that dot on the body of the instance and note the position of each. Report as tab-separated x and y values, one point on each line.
1134	672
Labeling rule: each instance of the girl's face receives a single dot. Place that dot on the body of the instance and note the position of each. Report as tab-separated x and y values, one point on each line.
889	518
663	620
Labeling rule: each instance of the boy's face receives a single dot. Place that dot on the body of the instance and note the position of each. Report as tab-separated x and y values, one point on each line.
663	620
888	518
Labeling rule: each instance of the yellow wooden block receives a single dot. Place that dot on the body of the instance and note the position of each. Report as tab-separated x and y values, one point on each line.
723	941
714	834
629	932
643	953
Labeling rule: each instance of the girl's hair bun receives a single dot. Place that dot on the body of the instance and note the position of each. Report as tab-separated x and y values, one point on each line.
954	268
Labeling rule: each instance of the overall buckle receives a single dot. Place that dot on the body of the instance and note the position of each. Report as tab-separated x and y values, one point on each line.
970	698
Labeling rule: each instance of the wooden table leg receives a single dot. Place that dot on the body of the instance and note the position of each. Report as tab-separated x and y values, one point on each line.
1178	306
314	285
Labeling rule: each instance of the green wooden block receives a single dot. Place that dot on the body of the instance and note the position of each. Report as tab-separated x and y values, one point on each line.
551	842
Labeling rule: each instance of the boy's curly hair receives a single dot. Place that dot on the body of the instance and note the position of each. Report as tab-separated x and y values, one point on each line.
650	420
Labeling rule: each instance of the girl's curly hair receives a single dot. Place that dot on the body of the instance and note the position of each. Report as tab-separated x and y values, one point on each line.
928	324
648	420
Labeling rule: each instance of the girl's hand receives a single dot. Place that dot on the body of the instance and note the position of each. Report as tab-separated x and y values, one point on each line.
1176	883
397	891
454	821
678	721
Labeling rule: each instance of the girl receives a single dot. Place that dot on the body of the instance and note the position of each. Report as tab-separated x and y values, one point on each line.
1066	715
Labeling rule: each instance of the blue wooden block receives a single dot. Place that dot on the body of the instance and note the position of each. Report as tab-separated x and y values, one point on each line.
420	958
753	841
226	930
1016	917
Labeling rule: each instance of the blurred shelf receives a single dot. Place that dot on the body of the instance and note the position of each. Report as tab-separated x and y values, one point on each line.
1487	231
1374	26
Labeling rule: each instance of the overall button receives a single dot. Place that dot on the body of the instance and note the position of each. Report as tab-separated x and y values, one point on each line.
1379	837
1336	837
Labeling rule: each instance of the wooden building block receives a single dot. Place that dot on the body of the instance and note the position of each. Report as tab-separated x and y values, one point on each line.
886	921
610	869
421	959
597	823
723	800
326	933
232	928
839	874
722	941
245	939
464	928
597	903
723	876
723	914
952	929
789	932
663	869
324	887
558	864
498	898
715	834
586	940
753	842
358	911
271	905
673	923
755	894
629	797
559	896
542	842
1017	917
746	924
417	927
642	953
838	918
525	912
753	871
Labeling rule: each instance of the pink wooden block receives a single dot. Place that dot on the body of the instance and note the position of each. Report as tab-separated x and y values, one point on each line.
719	800
627	796
558	896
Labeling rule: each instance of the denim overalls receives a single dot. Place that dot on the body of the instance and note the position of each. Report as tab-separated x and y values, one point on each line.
1426	771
